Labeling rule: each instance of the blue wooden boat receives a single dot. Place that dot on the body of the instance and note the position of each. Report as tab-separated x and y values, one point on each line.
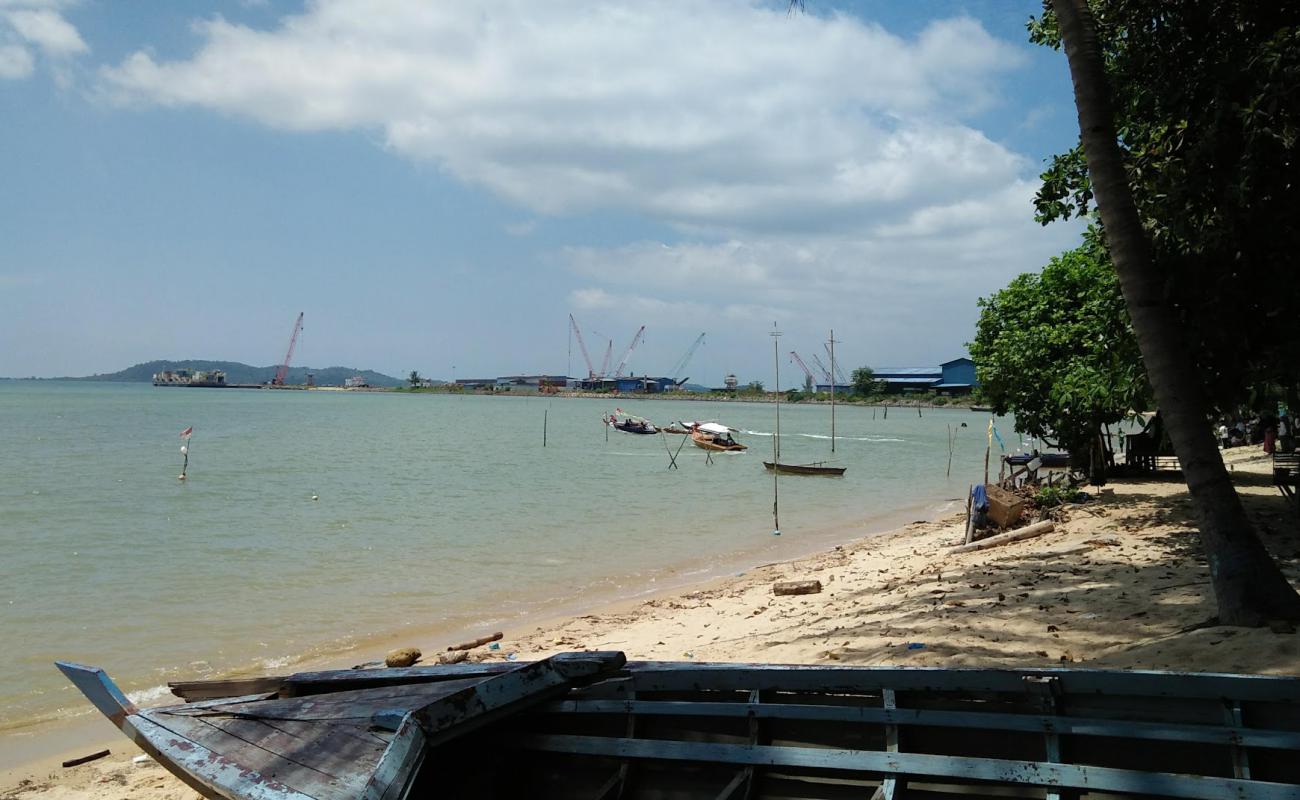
590	725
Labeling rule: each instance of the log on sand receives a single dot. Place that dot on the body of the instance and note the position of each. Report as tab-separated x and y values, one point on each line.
476	643
1029	532
797	587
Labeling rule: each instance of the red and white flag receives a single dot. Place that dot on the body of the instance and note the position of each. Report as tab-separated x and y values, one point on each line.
185	434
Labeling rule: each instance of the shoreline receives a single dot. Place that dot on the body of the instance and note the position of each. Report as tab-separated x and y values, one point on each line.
37	743
1121	584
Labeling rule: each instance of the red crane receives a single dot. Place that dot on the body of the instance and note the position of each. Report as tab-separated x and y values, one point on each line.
283	369
618	373
573	323
811	382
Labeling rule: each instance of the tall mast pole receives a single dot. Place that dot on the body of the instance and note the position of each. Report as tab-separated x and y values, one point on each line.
832	390
776	439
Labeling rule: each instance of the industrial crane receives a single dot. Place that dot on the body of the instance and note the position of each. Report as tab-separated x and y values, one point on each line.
839	373
822	367
809	382
283	370
680	366
573	323
618	373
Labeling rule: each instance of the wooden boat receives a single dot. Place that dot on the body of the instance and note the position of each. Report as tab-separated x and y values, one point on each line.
590	725
815	468
630	423
715	437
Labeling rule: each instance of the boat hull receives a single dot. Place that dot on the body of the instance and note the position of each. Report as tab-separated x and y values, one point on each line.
704	443
804	469
591	725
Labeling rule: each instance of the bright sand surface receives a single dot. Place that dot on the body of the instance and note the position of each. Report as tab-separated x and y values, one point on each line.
1121	583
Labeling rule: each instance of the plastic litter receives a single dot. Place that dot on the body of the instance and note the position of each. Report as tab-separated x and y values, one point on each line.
915	645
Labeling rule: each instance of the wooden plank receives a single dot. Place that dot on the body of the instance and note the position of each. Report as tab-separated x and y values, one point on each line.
974	720
676	675
207	772
652	676
919	766
796	587
889	785
276	755
1240	760
357	704
208	690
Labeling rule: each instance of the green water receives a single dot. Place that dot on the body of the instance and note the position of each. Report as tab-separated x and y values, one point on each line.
434	512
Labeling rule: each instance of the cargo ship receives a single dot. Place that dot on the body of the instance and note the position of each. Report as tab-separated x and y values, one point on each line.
190	377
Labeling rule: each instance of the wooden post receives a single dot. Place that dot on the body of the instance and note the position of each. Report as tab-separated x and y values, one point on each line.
970	491
948	474
545	412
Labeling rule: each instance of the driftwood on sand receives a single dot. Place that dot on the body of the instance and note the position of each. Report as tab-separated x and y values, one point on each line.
797	587
477	642
1028	532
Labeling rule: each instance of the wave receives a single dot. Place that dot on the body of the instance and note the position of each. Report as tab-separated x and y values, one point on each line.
849	438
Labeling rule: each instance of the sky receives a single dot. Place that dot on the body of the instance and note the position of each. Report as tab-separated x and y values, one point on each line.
438	186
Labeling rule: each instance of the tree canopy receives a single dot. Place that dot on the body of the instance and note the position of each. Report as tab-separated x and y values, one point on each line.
1208	118
1056	348
864	381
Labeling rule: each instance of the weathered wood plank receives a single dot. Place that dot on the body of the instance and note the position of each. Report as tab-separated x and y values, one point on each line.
351	704
974	720
919	765
191	691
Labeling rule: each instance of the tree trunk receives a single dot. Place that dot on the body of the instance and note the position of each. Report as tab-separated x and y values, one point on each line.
1249	587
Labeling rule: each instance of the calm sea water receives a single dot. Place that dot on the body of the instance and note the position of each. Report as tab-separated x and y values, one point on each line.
434	512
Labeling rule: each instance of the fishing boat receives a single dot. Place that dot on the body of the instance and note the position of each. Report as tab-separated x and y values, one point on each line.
592	725
716	437
815	468
629	423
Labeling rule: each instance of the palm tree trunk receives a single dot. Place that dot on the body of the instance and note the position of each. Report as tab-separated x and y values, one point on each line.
1249	587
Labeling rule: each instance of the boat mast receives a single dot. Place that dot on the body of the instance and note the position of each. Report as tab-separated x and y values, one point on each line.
832	341
776	438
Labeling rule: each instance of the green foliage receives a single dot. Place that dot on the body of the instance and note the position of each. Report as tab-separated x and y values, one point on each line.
1052	496
752	388
794	396
1209	120
414	379
1056	348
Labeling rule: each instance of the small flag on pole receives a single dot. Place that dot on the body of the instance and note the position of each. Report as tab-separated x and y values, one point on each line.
185	434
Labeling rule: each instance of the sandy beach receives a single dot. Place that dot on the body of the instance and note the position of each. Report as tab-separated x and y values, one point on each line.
1121	583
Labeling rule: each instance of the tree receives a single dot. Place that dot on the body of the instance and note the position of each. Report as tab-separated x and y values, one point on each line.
1056	348
1203	97
1248	586
414	379
864	381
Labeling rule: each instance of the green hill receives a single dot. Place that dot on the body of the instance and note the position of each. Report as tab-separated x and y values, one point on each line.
243	373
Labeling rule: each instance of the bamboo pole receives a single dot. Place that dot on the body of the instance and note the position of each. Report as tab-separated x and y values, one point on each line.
776	439
1028	532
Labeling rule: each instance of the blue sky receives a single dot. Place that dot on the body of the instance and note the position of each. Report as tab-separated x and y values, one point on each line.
439	185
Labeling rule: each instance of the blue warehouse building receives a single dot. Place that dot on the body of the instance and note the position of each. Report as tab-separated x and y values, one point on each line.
951	377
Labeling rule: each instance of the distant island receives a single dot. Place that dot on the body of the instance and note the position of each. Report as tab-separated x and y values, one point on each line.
244	373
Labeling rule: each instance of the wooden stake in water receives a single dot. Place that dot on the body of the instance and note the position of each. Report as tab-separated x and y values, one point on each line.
776	439
949	473
545	413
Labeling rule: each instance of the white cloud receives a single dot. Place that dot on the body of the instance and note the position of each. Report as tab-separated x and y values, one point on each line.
48	30
15	62
728	115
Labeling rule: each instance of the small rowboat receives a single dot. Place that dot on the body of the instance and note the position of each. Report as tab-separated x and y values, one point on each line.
630	423
815	468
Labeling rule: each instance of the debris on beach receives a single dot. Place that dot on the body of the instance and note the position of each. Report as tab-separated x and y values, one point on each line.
797	587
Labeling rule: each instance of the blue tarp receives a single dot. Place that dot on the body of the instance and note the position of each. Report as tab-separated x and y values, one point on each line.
980	498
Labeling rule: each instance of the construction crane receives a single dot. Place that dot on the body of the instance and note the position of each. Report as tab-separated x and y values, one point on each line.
809	381
839	373
822	368
604	363
636	339
577	332
680	366
282	371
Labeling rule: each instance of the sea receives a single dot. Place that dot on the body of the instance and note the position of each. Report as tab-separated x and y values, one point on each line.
317	524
